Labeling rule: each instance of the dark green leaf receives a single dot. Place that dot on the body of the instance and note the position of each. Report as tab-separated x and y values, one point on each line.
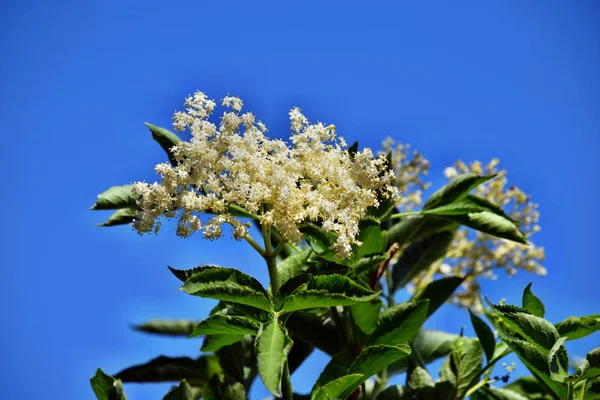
578	327
411	229
229	285
466	360
319	240
419	255
238	360
272	347
438	292
532	303
327	291
167	327
116	197
120	217
490	223
457	188
166	139
485	335
293	266
340	385
318	330
167	369
106	387
530	388
400	323
181	392
492	393
372	238
217	389
213	343
226	325
394	392
366	314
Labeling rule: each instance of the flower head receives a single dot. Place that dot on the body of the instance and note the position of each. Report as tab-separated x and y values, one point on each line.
313	179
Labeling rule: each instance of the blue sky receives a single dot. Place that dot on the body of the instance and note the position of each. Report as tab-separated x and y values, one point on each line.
518	80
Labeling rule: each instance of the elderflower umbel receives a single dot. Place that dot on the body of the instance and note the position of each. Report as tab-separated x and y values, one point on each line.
315	179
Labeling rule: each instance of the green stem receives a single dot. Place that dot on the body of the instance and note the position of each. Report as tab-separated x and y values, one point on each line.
402	215
255	245
478	386
570	395
271	258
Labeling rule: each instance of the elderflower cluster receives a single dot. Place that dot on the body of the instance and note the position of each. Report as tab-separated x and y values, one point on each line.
410	169
476	253
314	179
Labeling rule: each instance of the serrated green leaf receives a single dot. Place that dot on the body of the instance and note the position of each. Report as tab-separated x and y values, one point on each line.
327	291
213	343
272	347
465	360
116	197
419	378
578	327
167	327
340	385
558	361
181	392
293	266
438	292
166	139
120	217
229	285
589	368
366	314
458	187
485	336
372	238
400	323
173	369
106	387
226	325
419	255
532	303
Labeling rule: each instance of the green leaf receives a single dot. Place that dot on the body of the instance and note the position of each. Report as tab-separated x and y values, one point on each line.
372	238
217	389
457	188
419	255
485	336
166	139
366	314
106	387
316	329
120	217
115	198
578	327
293	266
530	388
181	392
532	303
238	360
465	360
419	378
438	292
340	385
319	240
533	339
327	291
226	325
272	346
369	362
229	285
431	345
589	368
490	223
492	393
410	229
180	327
213	343
173	369
394	392
399	323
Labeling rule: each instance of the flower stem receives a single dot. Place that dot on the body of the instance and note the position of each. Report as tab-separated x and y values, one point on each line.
402	215
255	245
271	258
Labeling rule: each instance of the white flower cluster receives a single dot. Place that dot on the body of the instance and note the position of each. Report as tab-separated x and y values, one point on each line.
314	179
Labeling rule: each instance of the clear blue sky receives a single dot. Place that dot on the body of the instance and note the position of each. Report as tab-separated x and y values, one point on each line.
518	80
